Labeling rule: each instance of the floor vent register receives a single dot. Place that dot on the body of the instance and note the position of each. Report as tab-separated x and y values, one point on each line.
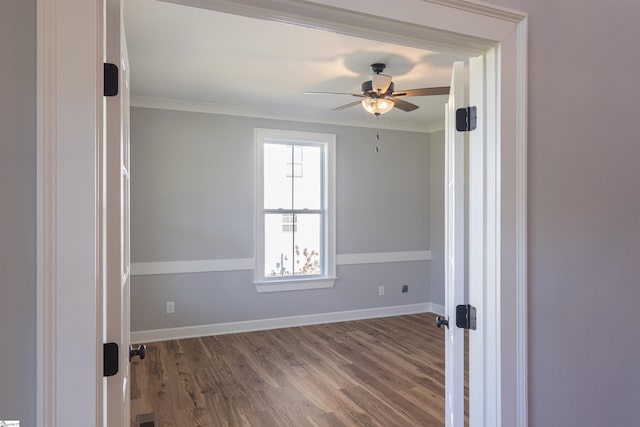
147	420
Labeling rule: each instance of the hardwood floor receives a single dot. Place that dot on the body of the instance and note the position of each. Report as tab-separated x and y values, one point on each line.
379	372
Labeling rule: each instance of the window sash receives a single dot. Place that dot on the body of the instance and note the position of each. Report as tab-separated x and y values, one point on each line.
325	211
291	255
296	154
293	211
295	159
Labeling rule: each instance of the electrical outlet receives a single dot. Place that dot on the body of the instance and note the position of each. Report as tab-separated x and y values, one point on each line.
171	307
380	290
405	289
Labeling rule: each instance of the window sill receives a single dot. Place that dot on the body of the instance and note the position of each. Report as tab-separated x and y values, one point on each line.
294	285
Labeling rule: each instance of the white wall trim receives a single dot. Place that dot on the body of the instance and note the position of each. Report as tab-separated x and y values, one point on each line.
242	264
383	257
438	309
522	350
275	323
47	336
326	142
191	266
481	8
69	94
300	284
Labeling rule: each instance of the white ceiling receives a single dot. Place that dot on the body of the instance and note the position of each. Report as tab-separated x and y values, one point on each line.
188	58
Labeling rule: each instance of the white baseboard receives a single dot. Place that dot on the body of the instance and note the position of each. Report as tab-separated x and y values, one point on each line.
280	322
435	308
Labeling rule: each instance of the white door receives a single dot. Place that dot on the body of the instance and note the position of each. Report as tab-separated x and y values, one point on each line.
457	175
454	251
479	386
115	221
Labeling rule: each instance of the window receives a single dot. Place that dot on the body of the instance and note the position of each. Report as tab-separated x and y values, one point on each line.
295	213
289	223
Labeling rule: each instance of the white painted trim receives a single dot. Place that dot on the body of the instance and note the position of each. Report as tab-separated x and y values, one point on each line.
483	8
295	284
242	264
454	248
383	257
274	323
232	110
426	29
438	309
522	350
327	143
69	79
191	266
47	336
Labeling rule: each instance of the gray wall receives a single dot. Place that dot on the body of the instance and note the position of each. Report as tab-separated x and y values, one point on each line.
192	179
436	171
18	211
584	212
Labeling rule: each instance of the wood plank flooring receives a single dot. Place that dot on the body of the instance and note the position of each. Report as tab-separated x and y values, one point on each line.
379	372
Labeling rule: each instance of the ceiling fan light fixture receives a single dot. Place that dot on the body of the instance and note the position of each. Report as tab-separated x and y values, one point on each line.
377	106
380	83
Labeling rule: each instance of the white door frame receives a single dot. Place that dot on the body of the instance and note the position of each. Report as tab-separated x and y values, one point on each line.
116	233
454	250
69	355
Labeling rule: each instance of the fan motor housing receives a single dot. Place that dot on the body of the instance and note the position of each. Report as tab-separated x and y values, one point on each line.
367	87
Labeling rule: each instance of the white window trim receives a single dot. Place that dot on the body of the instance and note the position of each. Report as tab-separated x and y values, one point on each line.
327	280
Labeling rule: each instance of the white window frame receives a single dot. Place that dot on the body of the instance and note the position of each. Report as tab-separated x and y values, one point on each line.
328	276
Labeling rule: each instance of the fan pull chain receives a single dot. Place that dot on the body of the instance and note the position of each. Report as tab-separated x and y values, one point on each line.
377	133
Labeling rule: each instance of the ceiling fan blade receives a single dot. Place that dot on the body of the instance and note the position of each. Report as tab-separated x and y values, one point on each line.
344	107
335	93
426	91
403	105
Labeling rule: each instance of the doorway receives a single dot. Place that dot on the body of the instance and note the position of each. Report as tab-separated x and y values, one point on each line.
511	229
181	149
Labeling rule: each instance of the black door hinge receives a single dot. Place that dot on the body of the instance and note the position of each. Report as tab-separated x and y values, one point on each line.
466	119
110	359
466	317
110	79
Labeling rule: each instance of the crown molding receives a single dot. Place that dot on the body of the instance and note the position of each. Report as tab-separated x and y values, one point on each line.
330	15
482	8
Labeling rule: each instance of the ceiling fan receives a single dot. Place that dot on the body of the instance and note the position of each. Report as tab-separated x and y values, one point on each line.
378	94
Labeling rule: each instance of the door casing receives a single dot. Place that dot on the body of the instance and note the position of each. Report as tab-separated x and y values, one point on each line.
69	136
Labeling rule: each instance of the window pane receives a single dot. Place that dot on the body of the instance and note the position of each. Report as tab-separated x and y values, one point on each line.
308	259
289	223
278	247
277	176
307	188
